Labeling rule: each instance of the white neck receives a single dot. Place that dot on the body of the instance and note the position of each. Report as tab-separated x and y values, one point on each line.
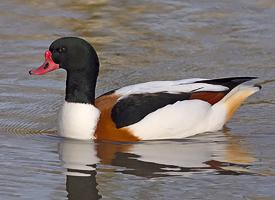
78	120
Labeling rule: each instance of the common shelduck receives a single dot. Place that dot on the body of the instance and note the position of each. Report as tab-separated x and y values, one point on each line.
145	111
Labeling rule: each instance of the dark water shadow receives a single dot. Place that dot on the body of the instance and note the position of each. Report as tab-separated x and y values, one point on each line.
82	187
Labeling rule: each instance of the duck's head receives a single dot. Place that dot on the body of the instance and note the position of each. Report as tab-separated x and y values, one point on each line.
70	53
80	60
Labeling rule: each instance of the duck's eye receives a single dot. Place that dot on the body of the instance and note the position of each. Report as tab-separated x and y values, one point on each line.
61	49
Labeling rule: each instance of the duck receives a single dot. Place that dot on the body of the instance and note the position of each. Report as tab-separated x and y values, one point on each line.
154	110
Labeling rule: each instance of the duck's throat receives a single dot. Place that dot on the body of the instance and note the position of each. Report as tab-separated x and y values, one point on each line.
78	120
80	88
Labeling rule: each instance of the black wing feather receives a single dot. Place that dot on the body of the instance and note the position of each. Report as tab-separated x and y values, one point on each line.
227	82
135	107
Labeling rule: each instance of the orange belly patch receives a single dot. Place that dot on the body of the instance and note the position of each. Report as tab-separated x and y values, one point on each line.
106	128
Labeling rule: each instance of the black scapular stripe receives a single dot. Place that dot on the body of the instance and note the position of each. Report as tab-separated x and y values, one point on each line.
135	107
227	82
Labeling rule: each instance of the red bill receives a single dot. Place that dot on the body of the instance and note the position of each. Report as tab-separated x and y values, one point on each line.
47	66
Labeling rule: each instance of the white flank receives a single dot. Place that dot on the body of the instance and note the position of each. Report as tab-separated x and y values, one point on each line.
187	118
78	120
179	120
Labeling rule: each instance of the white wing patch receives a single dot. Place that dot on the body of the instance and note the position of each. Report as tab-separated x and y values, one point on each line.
186	85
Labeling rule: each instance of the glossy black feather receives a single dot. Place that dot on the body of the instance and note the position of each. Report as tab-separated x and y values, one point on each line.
81	62
227	82
135	107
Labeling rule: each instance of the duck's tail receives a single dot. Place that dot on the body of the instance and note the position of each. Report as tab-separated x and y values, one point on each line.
235	97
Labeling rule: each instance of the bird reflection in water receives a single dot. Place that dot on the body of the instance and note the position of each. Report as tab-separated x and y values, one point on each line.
79	158
150	159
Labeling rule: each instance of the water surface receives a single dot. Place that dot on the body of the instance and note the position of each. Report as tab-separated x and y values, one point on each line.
137	41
